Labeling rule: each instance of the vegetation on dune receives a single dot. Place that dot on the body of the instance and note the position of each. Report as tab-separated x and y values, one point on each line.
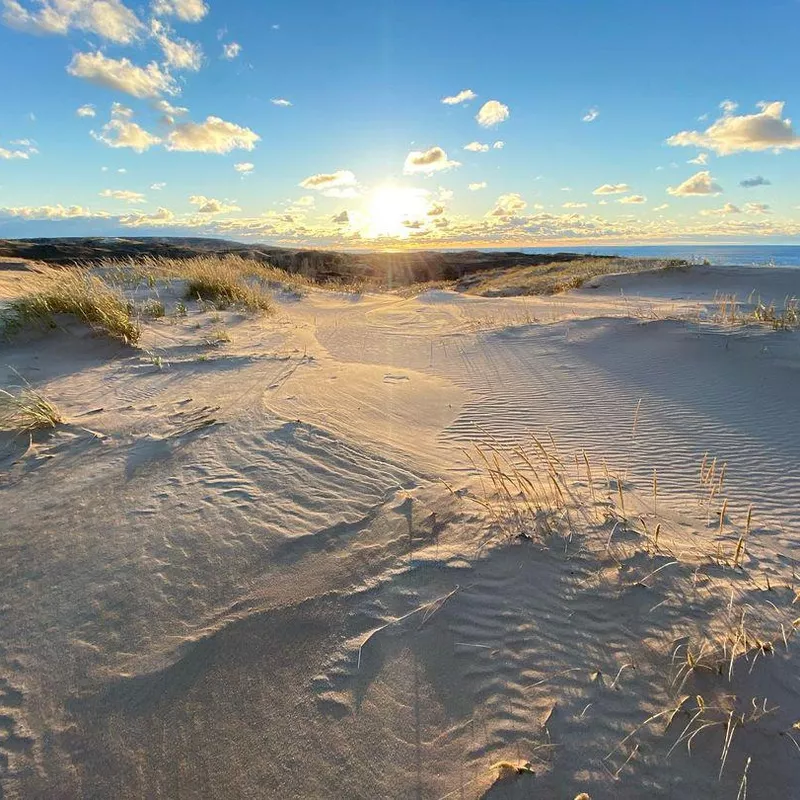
27	411
555	277
81	295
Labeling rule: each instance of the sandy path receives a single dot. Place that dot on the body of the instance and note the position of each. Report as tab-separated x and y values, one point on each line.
242	574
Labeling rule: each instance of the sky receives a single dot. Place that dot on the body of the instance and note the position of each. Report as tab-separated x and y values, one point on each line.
401	123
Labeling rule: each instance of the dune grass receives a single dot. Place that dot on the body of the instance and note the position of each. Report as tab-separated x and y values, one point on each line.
81	295
546	279
27	411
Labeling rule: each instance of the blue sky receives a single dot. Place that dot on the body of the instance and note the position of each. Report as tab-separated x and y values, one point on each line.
323	123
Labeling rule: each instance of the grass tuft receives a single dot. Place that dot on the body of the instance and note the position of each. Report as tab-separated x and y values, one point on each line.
27	411
81	295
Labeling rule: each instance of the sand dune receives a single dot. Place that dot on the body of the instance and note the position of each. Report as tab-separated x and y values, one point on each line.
277	566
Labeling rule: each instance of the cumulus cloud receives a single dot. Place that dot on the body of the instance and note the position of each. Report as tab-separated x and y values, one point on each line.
124	133
215	135
51	212
492	113
231	50
633	199
244	167
108	19
86	111
186	10
499	145
428	161
701	183
476	187
701	159
765	130
570	204
342	218
136	219
728	208
178	53
280	101
591	115
341	183
122	75
751	183
464	96
662	207
119	111
208	205
508	205
611	188
306	201
11	155
436	210
124	195
756	208
158	186
728	106
477	147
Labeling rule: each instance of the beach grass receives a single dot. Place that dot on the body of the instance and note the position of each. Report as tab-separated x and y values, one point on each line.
79	294
27	410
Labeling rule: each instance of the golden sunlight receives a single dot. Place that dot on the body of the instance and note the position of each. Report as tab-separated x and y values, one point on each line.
394	211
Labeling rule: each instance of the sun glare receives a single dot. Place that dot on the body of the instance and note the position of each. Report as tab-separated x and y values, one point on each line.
394	212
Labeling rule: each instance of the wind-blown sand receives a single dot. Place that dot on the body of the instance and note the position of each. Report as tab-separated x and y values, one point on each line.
280	568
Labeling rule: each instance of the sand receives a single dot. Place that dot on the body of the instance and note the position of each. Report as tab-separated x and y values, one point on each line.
278	567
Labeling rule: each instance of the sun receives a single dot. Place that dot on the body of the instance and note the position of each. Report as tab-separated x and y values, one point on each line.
394	212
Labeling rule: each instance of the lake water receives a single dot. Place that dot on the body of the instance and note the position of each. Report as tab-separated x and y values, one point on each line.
741	255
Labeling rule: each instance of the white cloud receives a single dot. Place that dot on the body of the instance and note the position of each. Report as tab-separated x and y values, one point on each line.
633	199
109	19
751	183
178	53
765	130
158	186
124	195
476	187
591	115
428	161
169	111
51	212
215	135
756	208
701	159
499	145
492	113
306	201
570	204
464	96
508	205
123	133
728	208
186	10
728	106
122	75
701	183
208	205
342	183
231	50
244	167
136	219
477	147
86	111
119	111
11	155
280	101
662	207
612	188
